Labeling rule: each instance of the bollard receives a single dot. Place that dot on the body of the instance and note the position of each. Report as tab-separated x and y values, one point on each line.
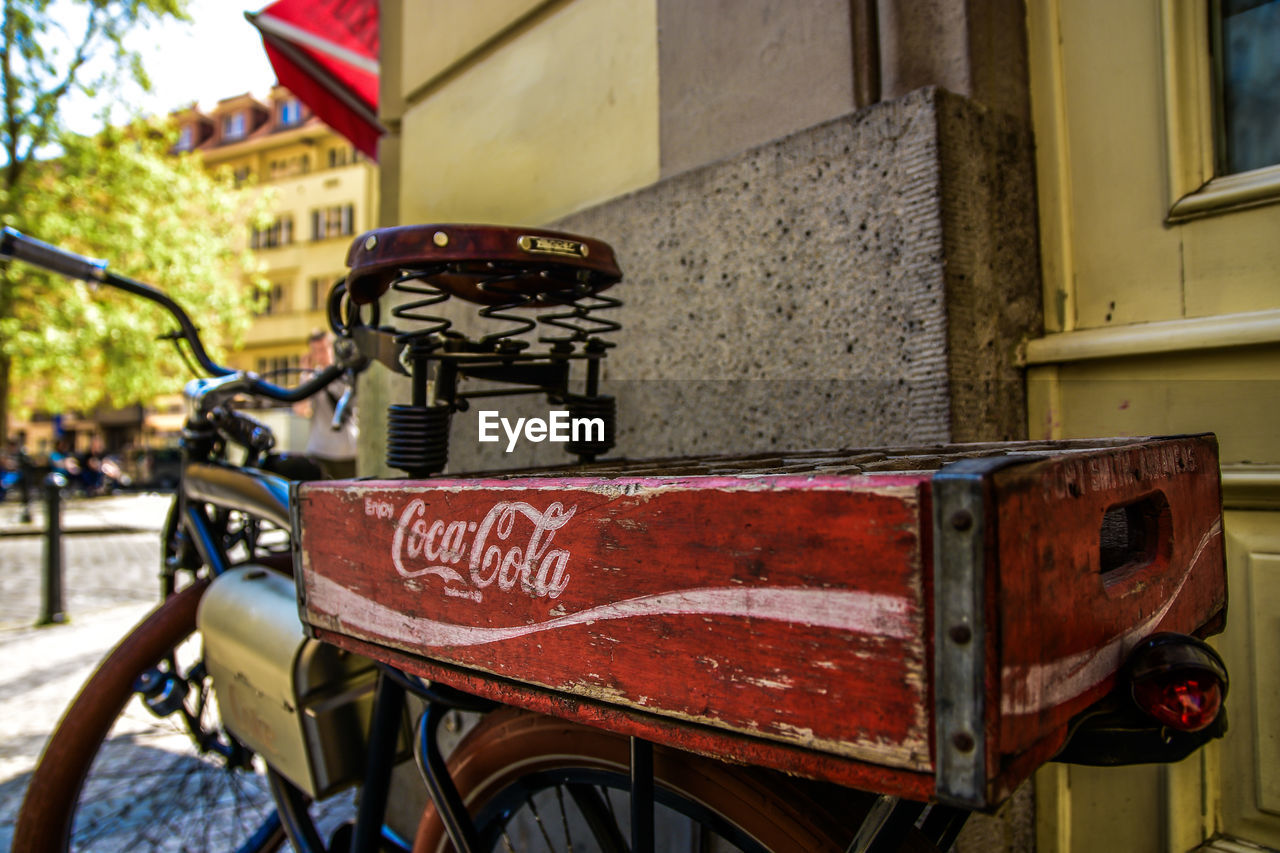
25	473
53	613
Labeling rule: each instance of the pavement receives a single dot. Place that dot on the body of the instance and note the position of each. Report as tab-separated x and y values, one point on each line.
111	548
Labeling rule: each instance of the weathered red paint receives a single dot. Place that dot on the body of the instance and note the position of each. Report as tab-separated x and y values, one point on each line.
703	740
691	598
1049	518
780	619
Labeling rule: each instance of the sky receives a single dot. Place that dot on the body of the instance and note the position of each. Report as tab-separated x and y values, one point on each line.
217	56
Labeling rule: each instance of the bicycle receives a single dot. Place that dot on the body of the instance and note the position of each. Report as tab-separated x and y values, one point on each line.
281	713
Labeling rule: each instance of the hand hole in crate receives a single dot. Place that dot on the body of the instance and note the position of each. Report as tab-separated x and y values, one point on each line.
1134	536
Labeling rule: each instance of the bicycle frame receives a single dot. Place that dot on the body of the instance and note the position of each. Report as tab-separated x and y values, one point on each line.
264	496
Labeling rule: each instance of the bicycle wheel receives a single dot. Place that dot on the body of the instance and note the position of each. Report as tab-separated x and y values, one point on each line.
114	776
538	783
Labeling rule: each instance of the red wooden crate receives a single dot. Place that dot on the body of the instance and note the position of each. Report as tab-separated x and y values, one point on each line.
780	610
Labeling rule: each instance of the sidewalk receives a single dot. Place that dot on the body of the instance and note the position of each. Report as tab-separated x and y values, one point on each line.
111	553
144	511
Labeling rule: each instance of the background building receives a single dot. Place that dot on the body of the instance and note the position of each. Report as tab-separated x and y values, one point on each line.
861	222
320	191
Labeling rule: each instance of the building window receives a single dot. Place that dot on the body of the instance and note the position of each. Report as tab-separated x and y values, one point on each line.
272	300
185	137
241	174
279	233
339	156
1222	96
319	289
335	221
298	164
290	112
278	368
233	126
1247	65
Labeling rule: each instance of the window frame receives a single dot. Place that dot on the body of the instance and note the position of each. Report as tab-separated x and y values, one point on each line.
290	106
1195	191
234	126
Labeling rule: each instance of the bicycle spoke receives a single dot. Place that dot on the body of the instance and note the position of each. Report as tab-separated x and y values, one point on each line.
598	813
564	820
537	818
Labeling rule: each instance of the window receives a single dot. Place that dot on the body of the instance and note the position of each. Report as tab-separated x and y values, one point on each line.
185	137
1246	41
278	368
1222	97
338	156
290	112
233	126
320	287
298	164
279	233
241	174
335	221
318	290
273	300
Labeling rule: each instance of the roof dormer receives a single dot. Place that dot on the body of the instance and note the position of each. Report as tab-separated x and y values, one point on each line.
194	128
238	118
287	110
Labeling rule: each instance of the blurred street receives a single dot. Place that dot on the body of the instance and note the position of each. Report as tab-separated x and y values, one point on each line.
111	548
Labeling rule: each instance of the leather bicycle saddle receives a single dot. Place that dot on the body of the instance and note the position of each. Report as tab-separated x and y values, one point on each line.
485	264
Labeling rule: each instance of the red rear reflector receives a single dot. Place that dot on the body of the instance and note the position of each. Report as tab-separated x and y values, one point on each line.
1187	701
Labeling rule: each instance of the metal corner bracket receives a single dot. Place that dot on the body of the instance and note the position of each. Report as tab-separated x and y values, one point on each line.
960	523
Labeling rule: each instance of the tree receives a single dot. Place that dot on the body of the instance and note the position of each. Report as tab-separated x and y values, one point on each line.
119	196
155	216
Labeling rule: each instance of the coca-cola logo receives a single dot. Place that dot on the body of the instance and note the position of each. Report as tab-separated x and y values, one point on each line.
494	550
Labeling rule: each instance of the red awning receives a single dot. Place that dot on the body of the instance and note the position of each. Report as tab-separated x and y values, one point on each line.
326	53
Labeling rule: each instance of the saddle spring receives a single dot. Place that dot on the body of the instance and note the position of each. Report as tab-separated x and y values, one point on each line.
506	340
582	310
440	356
418	432
418	283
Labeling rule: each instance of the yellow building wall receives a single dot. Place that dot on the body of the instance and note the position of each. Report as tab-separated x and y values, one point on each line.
1160	321
276	174
505	126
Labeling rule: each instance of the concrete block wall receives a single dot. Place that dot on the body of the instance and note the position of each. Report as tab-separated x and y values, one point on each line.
862	282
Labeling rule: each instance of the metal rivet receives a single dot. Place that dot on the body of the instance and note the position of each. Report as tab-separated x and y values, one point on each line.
963	741
440	238
370	242
960	634
962	519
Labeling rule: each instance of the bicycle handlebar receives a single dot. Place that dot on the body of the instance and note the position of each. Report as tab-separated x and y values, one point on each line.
15	244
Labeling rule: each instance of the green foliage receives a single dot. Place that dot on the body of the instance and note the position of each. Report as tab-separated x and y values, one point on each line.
154	216
119	196
46	49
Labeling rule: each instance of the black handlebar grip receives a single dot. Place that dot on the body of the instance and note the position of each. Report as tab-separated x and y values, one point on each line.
15	244
241	429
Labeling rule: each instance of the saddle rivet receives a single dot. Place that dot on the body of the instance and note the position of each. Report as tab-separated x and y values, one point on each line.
370	242
440	238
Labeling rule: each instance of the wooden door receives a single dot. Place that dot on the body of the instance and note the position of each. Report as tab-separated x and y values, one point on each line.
1160	237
